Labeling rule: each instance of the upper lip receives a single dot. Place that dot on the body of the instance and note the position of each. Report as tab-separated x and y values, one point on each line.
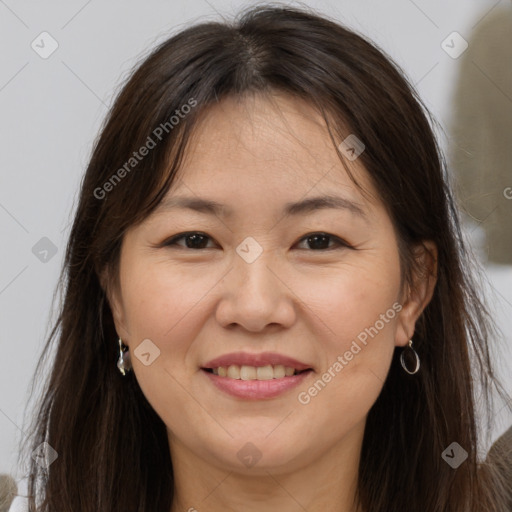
261	359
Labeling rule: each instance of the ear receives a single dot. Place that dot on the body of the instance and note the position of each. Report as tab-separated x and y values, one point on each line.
417	295
113	294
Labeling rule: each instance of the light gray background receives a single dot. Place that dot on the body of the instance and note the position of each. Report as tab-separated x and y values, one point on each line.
51	112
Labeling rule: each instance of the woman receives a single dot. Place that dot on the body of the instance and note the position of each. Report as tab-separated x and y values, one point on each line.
266	303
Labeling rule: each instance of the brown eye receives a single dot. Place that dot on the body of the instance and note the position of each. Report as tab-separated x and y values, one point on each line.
193	240
320	241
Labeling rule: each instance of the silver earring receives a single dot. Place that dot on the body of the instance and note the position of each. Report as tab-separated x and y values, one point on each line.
416	357
124	362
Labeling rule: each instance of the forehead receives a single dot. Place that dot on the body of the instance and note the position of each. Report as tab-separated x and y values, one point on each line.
275	145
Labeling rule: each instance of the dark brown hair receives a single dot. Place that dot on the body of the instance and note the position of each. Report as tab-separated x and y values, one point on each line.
113	453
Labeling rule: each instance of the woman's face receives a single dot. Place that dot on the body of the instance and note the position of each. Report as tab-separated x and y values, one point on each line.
252	278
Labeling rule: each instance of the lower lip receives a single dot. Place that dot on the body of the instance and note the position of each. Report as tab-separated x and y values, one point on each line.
256	389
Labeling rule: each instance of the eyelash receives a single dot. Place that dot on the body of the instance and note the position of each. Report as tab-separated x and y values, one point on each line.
341	243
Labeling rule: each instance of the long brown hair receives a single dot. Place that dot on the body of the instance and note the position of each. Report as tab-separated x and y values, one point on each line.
113	453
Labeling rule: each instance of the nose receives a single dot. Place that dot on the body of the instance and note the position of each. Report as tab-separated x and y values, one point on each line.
256	296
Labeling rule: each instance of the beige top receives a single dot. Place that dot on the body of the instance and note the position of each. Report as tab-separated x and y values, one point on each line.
501	455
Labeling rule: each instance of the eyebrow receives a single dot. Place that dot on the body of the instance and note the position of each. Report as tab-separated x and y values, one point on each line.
303	207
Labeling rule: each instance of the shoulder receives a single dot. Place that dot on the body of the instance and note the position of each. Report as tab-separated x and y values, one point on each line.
20	504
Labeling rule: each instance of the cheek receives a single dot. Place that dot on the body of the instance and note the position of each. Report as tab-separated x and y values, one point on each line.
354	299
168	306
163	305
357	351
357	310
159	298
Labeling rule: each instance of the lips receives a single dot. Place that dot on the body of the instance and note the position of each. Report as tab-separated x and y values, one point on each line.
256	389
261	359
255	376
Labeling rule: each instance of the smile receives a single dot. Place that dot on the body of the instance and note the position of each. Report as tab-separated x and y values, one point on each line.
256	383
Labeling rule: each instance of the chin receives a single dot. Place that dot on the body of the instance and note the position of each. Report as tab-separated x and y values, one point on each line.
255	452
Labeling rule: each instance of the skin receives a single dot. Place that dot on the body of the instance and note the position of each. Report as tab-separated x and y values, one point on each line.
296	299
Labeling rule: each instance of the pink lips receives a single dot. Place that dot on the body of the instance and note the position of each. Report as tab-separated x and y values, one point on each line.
256	389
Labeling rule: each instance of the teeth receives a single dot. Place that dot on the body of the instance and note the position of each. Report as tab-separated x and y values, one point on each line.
234	372
247	372
264	372
244	372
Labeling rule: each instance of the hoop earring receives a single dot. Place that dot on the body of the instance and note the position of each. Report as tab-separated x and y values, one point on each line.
124	362
416	357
